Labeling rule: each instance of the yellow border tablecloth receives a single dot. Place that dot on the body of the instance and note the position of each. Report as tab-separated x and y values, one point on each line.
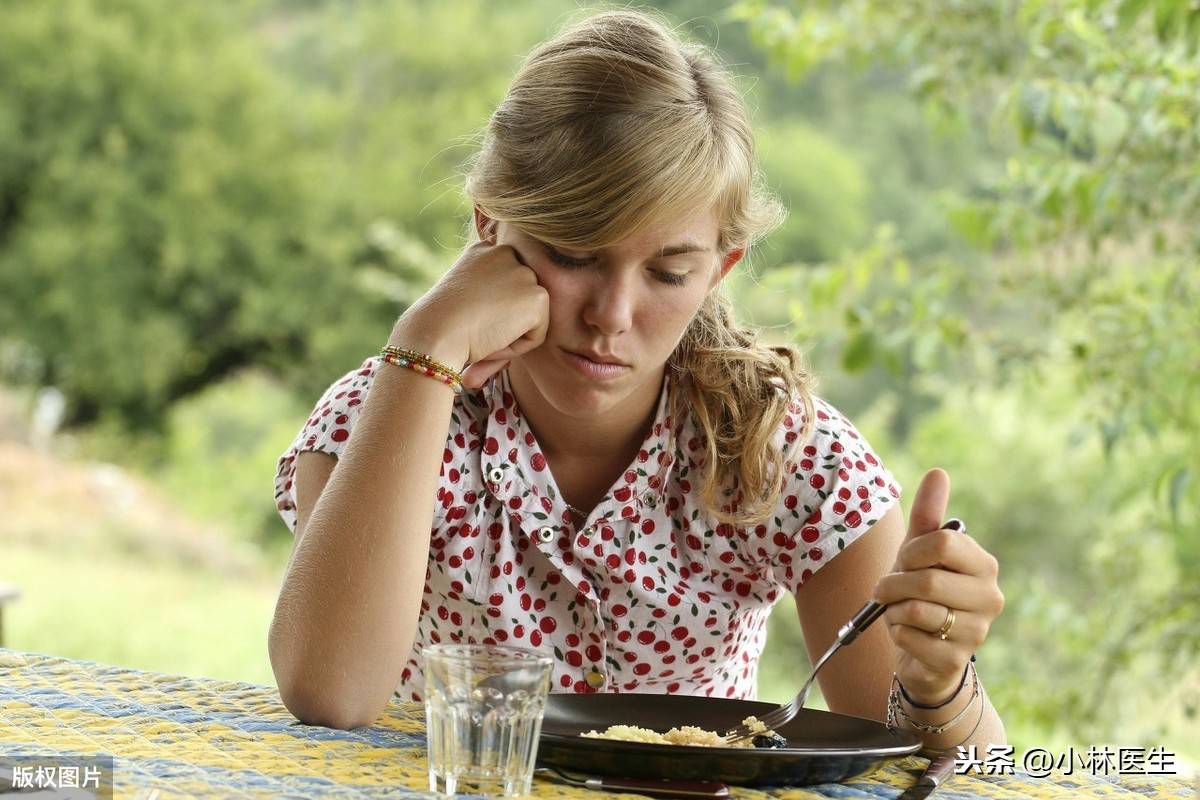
194	737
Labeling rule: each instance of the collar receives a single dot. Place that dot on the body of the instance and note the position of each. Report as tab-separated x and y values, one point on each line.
516	474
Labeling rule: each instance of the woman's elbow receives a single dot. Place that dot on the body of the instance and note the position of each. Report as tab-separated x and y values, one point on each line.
326	712
314	702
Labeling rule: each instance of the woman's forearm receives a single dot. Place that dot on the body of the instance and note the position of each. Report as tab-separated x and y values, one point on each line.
348	608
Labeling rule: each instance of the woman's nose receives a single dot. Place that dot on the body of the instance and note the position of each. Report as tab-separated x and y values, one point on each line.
609	306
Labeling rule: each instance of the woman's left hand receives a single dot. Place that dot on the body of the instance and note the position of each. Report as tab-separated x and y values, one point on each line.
937	570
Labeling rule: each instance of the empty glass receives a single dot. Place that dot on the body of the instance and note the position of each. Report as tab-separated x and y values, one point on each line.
483	714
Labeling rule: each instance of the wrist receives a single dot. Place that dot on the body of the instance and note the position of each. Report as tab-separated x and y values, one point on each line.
415	331
929	696
934	695
938	727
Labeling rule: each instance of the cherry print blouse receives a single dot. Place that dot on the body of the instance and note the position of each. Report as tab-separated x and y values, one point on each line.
648	595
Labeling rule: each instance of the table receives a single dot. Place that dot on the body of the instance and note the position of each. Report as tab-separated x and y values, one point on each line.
196	737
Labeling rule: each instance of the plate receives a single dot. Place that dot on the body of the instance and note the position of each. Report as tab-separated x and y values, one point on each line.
823	747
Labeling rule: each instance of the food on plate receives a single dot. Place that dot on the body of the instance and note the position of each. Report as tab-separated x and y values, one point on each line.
690	735
769	740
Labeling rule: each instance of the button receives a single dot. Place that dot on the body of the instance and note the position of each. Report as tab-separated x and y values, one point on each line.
495	474
594	679
649	498
546	534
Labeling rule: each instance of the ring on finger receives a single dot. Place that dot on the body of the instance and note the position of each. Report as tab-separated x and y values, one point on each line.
944	631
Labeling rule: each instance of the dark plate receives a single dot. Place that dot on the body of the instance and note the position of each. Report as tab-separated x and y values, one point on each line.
822	747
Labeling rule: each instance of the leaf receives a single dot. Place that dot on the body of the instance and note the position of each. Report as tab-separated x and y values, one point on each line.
1070	116
1129	12
925	80
859	351
893	363
1110	431
1179	484
972	222
1168	16
925	350
1110	124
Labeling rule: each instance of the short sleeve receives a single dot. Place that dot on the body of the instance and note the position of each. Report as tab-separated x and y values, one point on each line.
836	488
326	430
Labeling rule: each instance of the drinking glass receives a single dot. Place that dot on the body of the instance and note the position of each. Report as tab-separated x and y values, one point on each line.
483	714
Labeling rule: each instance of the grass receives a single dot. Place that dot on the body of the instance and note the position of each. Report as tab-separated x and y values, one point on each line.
122	609
111	570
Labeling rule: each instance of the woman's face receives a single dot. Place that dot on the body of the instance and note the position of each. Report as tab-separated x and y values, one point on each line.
631	303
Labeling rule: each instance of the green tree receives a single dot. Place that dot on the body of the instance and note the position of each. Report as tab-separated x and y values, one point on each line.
187	191
1085	231
161	215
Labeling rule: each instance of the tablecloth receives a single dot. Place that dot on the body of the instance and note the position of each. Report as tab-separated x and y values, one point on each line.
176	736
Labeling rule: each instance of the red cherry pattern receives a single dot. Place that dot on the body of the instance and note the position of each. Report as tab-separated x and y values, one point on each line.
650	592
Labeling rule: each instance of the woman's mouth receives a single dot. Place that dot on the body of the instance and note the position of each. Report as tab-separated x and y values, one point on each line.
594	369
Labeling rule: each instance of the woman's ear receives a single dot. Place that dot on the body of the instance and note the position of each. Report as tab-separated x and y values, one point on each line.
731	258
485	227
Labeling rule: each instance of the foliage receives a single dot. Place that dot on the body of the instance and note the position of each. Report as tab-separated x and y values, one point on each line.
220	450
1086	235
822	186
145	209
175	206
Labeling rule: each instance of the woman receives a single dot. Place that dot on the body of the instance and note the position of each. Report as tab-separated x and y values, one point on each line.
628	480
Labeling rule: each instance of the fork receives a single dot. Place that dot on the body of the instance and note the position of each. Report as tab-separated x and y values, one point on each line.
783	714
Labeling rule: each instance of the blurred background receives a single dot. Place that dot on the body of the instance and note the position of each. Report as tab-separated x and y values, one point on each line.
210	211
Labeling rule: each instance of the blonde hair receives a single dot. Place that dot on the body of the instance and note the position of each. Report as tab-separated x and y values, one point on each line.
616	123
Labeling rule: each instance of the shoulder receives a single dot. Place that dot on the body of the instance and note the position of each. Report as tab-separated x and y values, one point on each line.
834	458
835	487
328	426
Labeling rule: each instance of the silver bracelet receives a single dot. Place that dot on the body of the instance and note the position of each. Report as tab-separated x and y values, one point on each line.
895	708
971	735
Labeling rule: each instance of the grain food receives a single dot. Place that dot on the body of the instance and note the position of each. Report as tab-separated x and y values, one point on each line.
690	735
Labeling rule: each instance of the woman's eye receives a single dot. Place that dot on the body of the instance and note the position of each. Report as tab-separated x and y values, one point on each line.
672	278
566	261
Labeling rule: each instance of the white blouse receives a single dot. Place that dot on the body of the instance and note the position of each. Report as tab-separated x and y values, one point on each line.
650	594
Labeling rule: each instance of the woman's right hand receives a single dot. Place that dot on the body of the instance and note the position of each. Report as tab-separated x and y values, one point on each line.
487	309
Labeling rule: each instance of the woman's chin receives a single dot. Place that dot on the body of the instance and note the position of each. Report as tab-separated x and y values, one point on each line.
573	397
572	393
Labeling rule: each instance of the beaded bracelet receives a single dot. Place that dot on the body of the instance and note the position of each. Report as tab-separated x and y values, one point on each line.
413	357
424	364
425	369
420	358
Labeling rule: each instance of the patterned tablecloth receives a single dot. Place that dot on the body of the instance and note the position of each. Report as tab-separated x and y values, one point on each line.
193	737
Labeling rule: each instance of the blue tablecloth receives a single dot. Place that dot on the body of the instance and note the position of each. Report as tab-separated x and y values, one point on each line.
193	737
